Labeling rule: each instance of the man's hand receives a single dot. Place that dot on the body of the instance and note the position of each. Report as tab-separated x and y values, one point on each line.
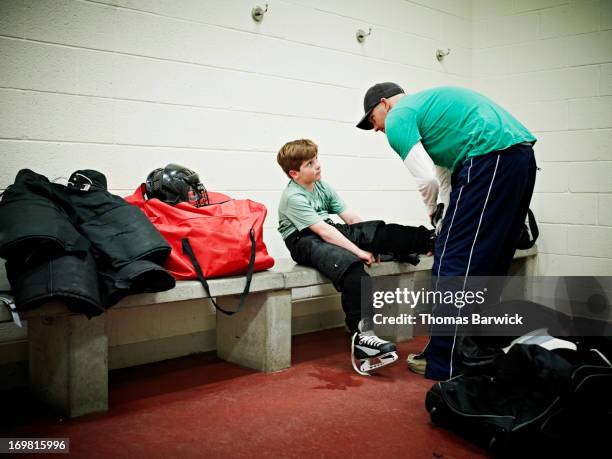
437	215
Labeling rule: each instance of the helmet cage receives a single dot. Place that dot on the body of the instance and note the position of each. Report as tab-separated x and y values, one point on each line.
174	183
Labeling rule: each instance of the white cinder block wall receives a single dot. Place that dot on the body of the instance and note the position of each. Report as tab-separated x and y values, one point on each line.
550	63
125	86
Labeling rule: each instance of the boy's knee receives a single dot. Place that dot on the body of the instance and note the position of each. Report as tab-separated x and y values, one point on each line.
352	278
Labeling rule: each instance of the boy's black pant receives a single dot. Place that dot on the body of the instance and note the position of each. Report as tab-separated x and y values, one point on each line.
344	268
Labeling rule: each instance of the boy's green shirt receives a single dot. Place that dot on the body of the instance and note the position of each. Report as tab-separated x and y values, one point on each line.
453	124
300	208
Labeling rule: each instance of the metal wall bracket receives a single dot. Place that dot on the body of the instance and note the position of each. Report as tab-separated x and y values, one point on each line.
258	12
440	54
361	35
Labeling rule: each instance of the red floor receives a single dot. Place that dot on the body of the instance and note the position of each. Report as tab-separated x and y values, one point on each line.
199	406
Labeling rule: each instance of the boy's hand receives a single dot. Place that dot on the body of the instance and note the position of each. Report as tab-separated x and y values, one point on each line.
366	257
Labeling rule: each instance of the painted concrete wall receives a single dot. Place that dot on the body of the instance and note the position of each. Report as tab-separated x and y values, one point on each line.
550	63
127	86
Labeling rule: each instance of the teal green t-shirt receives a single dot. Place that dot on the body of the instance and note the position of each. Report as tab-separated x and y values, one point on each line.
300	208
453	124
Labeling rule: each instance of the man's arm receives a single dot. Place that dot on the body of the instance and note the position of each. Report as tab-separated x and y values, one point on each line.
349	217
444	179
422	168
331	235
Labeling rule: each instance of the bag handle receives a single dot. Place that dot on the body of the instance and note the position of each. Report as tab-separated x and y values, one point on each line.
249	275
533	229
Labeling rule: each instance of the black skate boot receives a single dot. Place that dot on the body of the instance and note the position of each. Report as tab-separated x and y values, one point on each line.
371	352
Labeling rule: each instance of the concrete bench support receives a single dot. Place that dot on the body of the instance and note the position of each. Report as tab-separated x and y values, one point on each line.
69	363
258	337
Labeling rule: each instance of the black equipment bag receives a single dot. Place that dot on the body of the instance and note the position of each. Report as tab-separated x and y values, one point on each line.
532	401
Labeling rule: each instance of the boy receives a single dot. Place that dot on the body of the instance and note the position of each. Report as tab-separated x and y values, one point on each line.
339	251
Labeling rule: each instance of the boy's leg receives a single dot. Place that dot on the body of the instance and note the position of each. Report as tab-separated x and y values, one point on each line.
351	286
368	352
378	237
402	240
342	267
361	234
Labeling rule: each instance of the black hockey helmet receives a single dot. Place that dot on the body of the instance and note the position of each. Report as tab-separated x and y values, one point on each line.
174	183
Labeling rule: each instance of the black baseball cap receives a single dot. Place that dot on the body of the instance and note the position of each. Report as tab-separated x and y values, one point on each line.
372	99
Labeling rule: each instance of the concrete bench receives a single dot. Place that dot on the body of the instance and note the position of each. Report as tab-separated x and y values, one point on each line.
68	354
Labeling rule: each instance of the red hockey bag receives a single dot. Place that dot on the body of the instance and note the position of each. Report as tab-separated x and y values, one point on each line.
223	238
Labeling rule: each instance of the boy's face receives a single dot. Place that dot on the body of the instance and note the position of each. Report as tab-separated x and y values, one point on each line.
310	171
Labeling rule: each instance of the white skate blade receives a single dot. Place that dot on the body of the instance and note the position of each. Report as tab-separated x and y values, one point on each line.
367	366
354	360
357	369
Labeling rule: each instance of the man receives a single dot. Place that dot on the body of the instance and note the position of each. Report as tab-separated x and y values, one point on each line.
489	154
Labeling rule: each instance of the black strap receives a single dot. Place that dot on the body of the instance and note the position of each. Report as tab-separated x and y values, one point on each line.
533	226
249	275
533	229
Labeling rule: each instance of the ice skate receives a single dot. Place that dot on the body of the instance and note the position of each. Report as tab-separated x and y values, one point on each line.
369	352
